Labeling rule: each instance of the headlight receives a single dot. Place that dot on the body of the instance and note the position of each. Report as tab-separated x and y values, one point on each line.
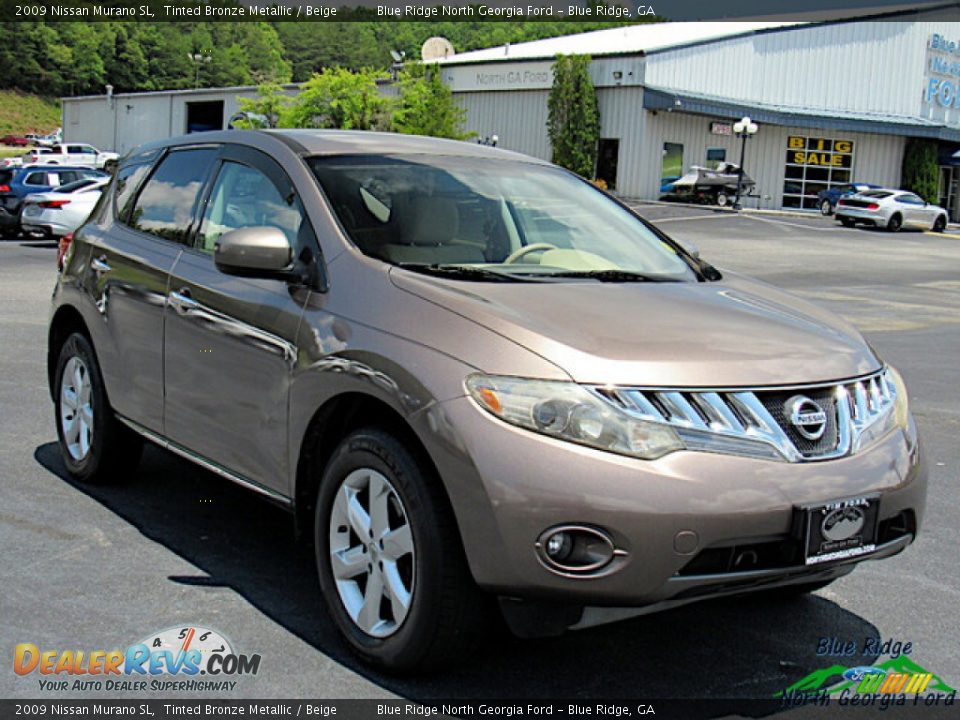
901	410
566	411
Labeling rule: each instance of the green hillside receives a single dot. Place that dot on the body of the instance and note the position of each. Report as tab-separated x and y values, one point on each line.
23	113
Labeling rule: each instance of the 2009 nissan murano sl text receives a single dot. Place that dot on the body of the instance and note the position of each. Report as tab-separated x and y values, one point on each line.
480	384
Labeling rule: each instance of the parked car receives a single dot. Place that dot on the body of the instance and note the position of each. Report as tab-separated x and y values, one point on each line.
17	183
54	138
890	209
14	140
76	154
471	375
61	211
828	198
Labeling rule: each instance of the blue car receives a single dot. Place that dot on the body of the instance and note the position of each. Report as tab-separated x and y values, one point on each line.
18	182
827	199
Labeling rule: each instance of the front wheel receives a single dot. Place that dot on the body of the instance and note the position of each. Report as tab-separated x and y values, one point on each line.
940	224
826	208
390	560
94	445
723	199
894	223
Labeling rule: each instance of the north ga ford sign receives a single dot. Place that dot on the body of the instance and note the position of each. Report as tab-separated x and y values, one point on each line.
943	59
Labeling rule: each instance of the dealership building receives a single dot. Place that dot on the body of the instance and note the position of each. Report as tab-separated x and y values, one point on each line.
834	101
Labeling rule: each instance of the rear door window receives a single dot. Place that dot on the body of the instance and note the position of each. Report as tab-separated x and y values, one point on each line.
36	178
167	203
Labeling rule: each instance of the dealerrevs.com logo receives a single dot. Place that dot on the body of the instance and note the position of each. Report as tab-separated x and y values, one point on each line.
176	659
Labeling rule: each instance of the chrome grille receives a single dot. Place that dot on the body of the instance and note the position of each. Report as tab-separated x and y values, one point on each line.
755	422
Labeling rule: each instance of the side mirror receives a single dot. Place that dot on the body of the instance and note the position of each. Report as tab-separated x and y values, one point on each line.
254	252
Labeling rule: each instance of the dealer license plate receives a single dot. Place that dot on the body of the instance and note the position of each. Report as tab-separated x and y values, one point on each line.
841	529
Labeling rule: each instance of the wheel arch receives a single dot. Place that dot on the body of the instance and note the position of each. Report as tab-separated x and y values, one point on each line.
329	425
65	321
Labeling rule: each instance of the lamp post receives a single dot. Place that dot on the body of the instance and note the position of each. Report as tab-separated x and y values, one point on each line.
744	128
198	59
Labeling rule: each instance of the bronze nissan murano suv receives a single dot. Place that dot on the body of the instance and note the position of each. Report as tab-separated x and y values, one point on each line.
482	386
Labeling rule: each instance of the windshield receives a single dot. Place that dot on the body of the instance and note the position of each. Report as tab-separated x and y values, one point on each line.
512	218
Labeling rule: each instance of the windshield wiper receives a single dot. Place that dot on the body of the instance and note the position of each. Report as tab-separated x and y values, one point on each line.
612	276
462	272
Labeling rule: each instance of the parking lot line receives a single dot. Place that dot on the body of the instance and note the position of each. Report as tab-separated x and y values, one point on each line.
955	236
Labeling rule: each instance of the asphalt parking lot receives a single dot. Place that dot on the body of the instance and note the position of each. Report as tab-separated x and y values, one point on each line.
98	568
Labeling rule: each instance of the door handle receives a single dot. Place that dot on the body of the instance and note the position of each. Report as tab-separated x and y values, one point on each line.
183	302
99	265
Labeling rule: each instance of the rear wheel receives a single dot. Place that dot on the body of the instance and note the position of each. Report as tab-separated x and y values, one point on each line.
723	199
390	560
847	222
826	208
895	223
940	224
94	445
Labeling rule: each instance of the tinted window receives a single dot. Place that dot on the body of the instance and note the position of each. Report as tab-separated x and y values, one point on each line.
244	197
69	176
128	181
5	177
37	178
165	206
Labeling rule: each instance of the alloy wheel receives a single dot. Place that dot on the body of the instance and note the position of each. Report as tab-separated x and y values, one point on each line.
372	553
76	408
826	208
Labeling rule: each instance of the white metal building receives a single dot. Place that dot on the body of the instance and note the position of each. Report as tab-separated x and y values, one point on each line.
835	101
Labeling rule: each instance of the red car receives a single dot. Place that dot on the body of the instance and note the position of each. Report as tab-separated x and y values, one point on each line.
14	140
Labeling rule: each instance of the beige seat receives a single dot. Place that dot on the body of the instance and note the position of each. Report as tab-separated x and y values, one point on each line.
428	227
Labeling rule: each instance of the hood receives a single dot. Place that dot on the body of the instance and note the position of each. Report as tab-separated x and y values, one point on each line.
734	333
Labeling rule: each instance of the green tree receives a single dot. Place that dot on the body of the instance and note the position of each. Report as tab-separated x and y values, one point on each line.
426	105
339	98
271	103
573	117
921	169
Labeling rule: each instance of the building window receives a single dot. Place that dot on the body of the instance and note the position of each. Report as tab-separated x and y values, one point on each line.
672	167
814	164
715	156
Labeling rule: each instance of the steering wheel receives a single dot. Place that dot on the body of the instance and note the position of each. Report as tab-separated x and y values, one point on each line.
520	253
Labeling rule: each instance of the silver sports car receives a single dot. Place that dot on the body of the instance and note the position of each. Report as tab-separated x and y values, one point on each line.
890	209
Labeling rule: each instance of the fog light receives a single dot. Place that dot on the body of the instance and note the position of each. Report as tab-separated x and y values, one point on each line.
559	546
575	549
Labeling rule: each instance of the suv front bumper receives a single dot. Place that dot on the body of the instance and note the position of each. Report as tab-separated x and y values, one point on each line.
508	485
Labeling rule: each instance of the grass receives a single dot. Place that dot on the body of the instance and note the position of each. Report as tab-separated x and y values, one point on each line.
21	113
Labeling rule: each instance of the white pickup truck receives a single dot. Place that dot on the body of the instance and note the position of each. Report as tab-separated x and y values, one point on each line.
74	154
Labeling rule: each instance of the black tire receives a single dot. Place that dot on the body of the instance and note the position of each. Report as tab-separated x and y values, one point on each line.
826	208
447	614
847	222
114	450
895	223
940	224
